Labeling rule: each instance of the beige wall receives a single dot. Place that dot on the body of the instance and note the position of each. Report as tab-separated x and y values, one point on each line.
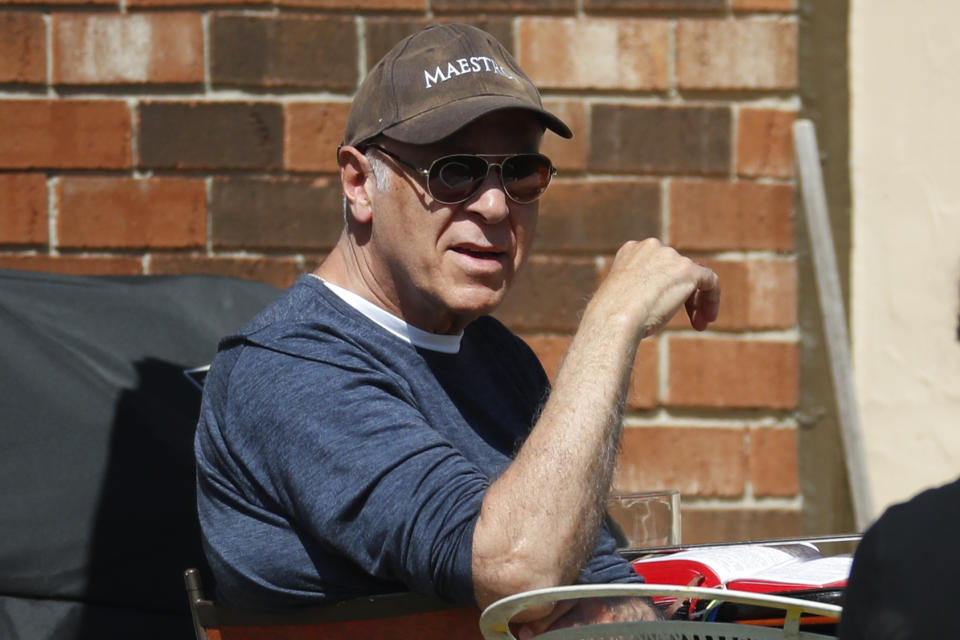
905	173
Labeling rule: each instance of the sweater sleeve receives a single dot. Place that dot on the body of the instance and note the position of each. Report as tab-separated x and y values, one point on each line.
348	458
606	565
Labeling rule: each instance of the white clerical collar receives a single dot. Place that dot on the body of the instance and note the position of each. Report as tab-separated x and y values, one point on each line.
405	331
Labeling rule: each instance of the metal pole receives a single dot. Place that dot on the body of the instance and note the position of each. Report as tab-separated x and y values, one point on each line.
834	317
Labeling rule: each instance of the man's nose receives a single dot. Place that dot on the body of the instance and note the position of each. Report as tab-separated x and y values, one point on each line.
491	200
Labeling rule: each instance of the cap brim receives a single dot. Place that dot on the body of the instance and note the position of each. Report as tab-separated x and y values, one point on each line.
436	124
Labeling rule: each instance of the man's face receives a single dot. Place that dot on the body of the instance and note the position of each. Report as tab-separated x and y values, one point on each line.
444	265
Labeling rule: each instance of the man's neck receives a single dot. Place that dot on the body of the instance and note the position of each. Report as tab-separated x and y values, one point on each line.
345	267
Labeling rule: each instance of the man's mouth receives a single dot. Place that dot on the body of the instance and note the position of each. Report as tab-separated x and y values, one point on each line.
482	254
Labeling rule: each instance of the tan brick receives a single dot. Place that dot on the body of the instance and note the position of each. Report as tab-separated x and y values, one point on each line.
597	215
549	294
128	48
276	213
23	208
731	373
69	134
701	525
211	135
280	272
771	294
763	5
384	32
550	349
737	54
773	462
765	142
757	294
311	133
717	215
280	50
23	48
699	461
631	138
75	265
644	381
567	154
128	212
572	53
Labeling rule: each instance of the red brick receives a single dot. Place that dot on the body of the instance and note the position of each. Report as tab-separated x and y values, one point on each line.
763	5
75	265
280	272
67	134
283	51
654	5
23	208
765	142
358	5
737	54
312	260
190	3
253	213
567	154
311	133
627	138
718	215
642	392
504	5
731	373
701	525
549	294
99	3
211	135
570	53
138	48
550	349
757	294
23	48
128	212
644	381
773	462
597	215
699	461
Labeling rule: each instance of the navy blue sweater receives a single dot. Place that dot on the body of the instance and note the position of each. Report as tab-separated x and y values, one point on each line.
336	460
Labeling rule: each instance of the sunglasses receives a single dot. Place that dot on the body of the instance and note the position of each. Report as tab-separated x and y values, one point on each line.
456	178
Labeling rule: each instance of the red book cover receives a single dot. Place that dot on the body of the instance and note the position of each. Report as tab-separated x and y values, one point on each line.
755	568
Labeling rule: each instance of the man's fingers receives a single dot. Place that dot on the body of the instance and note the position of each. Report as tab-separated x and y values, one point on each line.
703	305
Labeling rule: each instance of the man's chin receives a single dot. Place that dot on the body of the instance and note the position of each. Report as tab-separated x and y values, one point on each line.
477	301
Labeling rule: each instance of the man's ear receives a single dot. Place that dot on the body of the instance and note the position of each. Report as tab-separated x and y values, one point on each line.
357	181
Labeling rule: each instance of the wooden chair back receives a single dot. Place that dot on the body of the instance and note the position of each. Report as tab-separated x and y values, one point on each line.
401	616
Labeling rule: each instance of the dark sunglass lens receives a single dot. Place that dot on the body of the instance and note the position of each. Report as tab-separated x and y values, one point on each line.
526	176
454	178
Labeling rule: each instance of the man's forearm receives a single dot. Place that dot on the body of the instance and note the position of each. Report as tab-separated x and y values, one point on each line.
540	518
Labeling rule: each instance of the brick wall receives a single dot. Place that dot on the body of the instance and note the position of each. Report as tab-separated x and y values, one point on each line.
180	136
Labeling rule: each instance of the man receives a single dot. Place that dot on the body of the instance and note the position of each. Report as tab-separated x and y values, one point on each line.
904	572
371	431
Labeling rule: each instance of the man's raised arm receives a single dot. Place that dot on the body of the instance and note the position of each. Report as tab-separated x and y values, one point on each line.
539	519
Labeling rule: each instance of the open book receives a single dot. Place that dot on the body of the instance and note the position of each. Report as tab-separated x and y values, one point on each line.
749	567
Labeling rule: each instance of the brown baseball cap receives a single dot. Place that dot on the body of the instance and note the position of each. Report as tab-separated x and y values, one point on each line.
437	81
